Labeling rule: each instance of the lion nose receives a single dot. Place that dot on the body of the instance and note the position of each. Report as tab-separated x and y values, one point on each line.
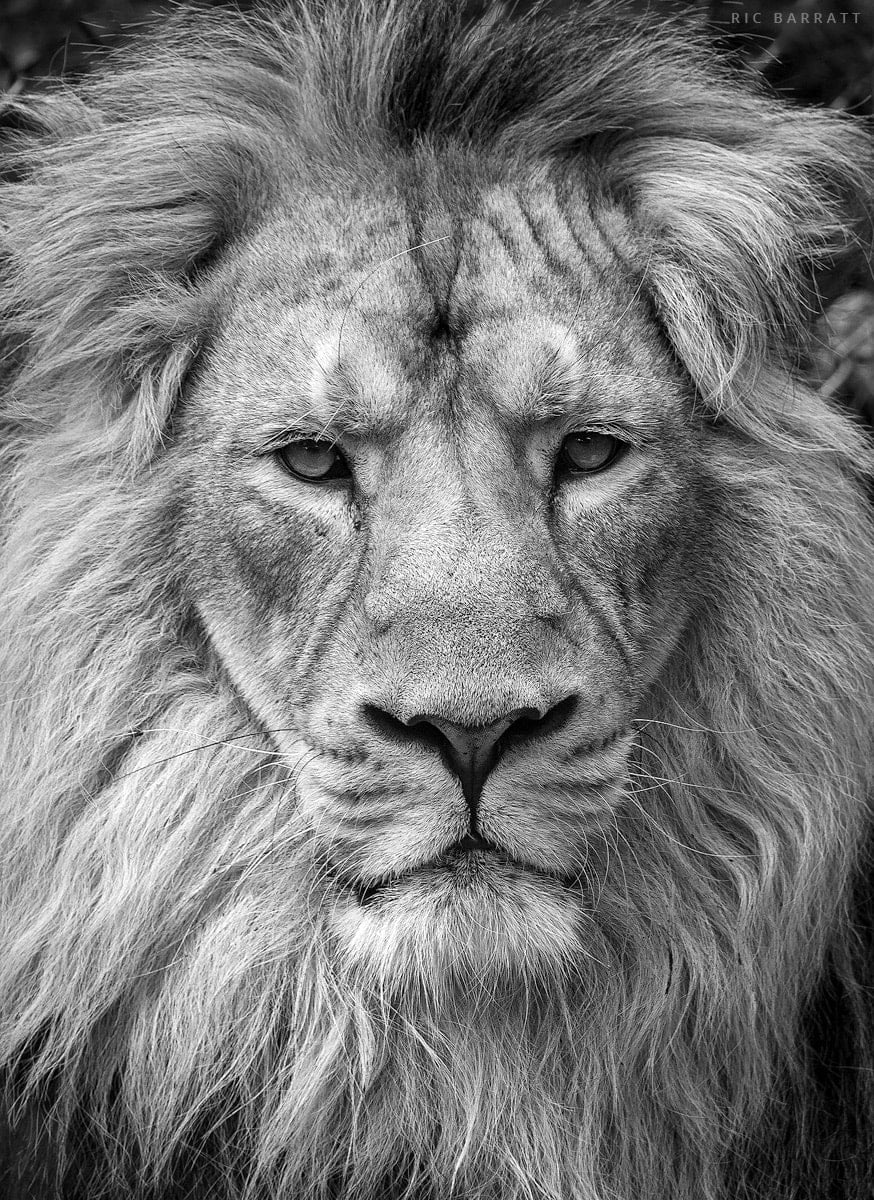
471	751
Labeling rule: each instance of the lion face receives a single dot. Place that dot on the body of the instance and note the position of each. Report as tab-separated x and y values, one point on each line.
440	538
438	751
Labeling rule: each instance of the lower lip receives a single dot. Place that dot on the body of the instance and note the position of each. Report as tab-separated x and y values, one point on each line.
467	861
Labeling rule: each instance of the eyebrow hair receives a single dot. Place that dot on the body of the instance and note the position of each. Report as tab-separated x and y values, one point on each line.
338	412
591	407
558	381
569	392
549	396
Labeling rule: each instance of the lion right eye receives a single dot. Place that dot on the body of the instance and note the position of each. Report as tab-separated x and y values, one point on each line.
588	453
314	461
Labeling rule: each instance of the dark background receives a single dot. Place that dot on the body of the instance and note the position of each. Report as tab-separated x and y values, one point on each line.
812	53
817	53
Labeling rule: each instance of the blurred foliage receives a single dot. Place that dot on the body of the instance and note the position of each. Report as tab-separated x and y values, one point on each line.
844	360
43	38
815	53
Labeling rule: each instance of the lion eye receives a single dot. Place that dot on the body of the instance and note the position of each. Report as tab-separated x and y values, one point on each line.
314	460
588	452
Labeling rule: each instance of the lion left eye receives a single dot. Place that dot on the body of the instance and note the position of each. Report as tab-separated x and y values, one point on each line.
583	453
314	460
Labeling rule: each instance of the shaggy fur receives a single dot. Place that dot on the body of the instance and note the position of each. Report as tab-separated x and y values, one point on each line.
172	1006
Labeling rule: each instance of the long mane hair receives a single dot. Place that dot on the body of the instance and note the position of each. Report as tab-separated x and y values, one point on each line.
170	1005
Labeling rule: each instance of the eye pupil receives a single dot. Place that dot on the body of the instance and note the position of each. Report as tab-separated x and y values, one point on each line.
588	452
314	460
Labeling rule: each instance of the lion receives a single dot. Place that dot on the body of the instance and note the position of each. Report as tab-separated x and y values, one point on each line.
437	635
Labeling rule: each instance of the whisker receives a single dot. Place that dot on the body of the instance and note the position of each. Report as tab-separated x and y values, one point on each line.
644	722
684	783
157	762
728	856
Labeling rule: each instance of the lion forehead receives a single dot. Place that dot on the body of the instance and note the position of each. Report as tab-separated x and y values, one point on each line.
516	296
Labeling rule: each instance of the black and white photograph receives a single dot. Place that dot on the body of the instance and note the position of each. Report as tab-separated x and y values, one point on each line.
436	600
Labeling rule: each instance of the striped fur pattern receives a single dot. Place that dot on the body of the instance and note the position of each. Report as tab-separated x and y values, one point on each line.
238	958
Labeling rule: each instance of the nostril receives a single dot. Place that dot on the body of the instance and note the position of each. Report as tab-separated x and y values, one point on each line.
530	723
383	721
397	730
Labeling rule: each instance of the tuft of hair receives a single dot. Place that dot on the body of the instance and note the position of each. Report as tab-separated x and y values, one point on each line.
164	994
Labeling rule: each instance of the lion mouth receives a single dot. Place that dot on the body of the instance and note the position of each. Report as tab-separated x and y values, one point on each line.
465	856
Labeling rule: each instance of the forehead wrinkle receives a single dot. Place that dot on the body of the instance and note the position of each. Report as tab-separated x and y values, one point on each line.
437	257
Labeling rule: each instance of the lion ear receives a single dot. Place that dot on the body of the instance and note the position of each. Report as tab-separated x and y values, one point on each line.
112	226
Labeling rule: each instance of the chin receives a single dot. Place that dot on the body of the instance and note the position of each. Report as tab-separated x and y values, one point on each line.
465	922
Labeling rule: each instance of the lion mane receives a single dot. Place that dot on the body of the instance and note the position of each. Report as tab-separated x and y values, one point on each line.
174	1021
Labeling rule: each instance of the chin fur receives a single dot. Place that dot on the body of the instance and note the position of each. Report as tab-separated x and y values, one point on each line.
477	920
